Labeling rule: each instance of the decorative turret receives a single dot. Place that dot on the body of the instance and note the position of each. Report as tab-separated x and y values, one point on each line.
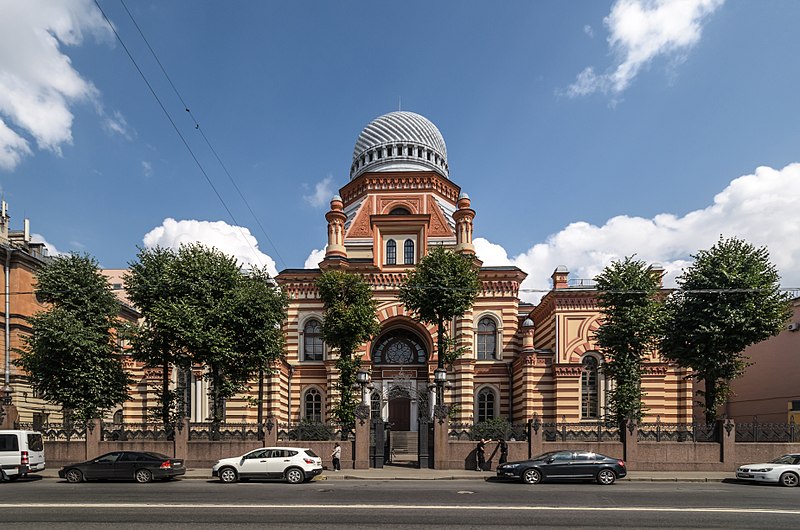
463	218
527	336
560	277
336	219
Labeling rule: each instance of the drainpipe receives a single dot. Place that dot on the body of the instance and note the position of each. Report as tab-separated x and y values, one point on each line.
7	378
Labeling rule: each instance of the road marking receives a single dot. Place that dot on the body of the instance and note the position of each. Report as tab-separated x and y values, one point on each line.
173	506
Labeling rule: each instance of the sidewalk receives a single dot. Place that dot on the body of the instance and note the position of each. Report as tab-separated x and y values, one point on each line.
407	473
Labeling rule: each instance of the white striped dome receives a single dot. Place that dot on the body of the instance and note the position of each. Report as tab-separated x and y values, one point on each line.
400	141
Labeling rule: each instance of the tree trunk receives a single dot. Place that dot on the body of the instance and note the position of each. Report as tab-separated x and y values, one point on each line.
165	400
711	399
215	394
440	343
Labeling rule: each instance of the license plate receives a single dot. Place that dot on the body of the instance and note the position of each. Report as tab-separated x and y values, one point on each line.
744	475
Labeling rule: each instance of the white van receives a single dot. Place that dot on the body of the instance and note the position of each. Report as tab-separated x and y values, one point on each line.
21	452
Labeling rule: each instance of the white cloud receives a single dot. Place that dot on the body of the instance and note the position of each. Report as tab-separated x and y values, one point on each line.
233	240
147	168
640	31
51	248
313	259
323	191
116	124
37	81
760	208
589	31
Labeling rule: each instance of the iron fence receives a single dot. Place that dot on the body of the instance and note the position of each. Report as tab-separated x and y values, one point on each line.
221	431
59	432
313	432
112	432
756	431
584	432
659	431
489	431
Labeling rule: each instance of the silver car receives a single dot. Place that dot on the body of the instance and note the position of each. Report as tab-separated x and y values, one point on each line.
784	470
292	464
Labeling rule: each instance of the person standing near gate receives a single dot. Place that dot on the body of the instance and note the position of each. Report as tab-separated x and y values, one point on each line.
336	455
503	446
480	454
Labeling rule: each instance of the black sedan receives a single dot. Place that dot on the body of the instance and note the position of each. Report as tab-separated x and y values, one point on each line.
565	465
125	465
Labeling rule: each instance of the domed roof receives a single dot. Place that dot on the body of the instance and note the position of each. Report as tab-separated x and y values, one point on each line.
400	141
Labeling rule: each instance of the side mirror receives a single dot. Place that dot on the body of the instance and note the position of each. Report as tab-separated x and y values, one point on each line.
550	460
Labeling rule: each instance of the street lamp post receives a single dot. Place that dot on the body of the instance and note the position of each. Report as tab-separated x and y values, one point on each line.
362	378
439	377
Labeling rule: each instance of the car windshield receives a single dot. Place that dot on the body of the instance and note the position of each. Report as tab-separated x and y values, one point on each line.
787	459
157	456
543	456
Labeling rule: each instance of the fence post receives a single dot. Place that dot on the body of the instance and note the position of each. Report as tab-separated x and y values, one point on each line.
361	457
180	440
535	446
93	434
727	441
630	447
441	441
270	432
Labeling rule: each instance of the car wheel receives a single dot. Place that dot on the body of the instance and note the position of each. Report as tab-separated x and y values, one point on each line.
531	476
606	477
789	480
74	476
143	475
228	475
295	475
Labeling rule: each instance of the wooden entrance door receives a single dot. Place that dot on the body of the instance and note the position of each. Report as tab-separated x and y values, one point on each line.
400	414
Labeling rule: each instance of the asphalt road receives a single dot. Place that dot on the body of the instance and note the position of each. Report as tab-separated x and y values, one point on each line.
48	503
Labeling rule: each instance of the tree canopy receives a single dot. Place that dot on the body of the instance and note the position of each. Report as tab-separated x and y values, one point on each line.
632	320
727	300
349	321
200	308
443	286
71	355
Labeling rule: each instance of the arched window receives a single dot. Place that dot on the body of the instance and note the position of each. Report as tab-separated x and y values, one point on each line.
487	339
312	405
590	402
375	405
486	403
408	252
399	211
313	346
391	252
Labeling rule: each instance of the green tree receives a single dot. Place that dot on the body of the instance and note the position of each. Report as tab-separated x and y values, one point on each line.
154	342
71	355
727	300
349	321
225	319
443	286
632	320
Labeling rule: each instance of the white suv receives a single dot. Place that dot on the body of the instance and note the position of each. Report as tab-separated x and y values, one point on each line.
293	464
21	452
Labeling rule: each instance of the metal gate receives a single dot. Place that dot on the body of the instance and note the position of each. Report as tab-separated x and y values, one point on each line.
379	433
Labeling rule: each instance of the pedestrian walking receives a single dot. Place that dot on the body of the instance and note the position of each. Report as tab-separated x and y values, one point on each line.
336	455
503	446
480	454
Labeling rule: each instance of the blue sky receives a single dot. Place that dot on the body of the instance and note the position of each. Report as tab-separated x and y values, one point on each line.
583	131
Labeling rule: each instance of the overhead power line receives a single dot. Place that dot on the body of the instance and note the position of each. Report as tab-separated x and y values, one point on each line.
177	131
202	133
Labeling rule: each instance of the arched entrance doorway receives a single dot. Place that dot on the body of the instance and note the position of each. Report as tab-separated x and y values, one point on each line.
399	358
